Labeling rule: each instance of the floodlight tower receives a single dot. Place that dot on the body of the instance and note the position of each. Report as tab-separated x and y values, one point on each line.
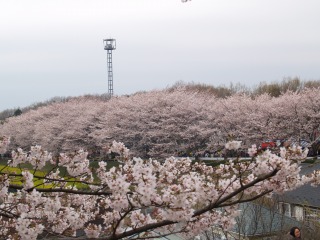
109	45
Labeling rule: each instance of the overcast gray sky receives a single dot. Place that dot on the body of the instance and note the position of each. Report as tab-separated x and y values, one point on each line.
54	48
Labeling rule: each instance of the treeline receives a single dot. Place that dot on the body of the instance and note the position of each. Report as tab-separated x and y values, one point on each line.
289	84
274	89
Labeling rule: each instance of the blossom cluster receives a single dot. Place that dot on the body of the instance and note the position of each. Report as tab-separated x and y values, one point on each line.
138	195
4	183
233	145
37	157
76	164
120	148
4	142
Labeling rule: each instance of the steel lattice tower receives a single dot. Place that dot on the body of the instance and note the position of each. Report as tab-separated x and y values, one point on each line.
109	45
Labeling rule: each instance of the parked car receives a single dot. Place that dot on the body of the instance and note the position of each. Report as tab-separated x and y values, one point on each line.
268	144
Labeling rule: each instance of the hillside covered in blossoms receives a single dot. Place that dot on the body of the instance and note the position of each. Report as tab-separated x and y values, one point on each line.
167	122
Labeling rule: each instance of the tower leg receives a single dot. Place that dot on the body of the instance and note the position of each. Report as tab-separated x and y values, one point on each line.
110	73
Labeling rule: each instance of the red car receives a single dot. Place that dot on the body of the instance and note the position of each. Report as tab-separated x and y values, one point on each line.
268	144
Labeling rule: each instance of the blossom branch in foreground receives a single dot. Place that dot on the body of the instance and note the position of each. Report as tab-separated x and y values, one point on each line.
139	197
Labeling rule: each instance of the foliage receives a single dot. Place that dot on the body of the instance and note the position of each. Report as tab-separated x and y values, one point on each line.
17	112
275	89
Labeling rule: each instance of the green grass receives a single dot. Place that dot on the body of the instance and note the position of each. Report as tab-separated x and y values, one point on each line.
39	182
17	180
37	179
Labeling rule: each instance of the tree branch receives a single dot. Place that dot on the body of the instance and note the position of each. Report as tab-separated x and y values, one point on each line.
63	190
231	195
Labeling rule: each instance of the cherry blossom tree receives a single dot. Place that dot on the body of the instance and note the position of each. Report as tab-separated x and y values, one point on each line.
161	123
150	124
167	122
294	116
59	126
297	116
60	196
